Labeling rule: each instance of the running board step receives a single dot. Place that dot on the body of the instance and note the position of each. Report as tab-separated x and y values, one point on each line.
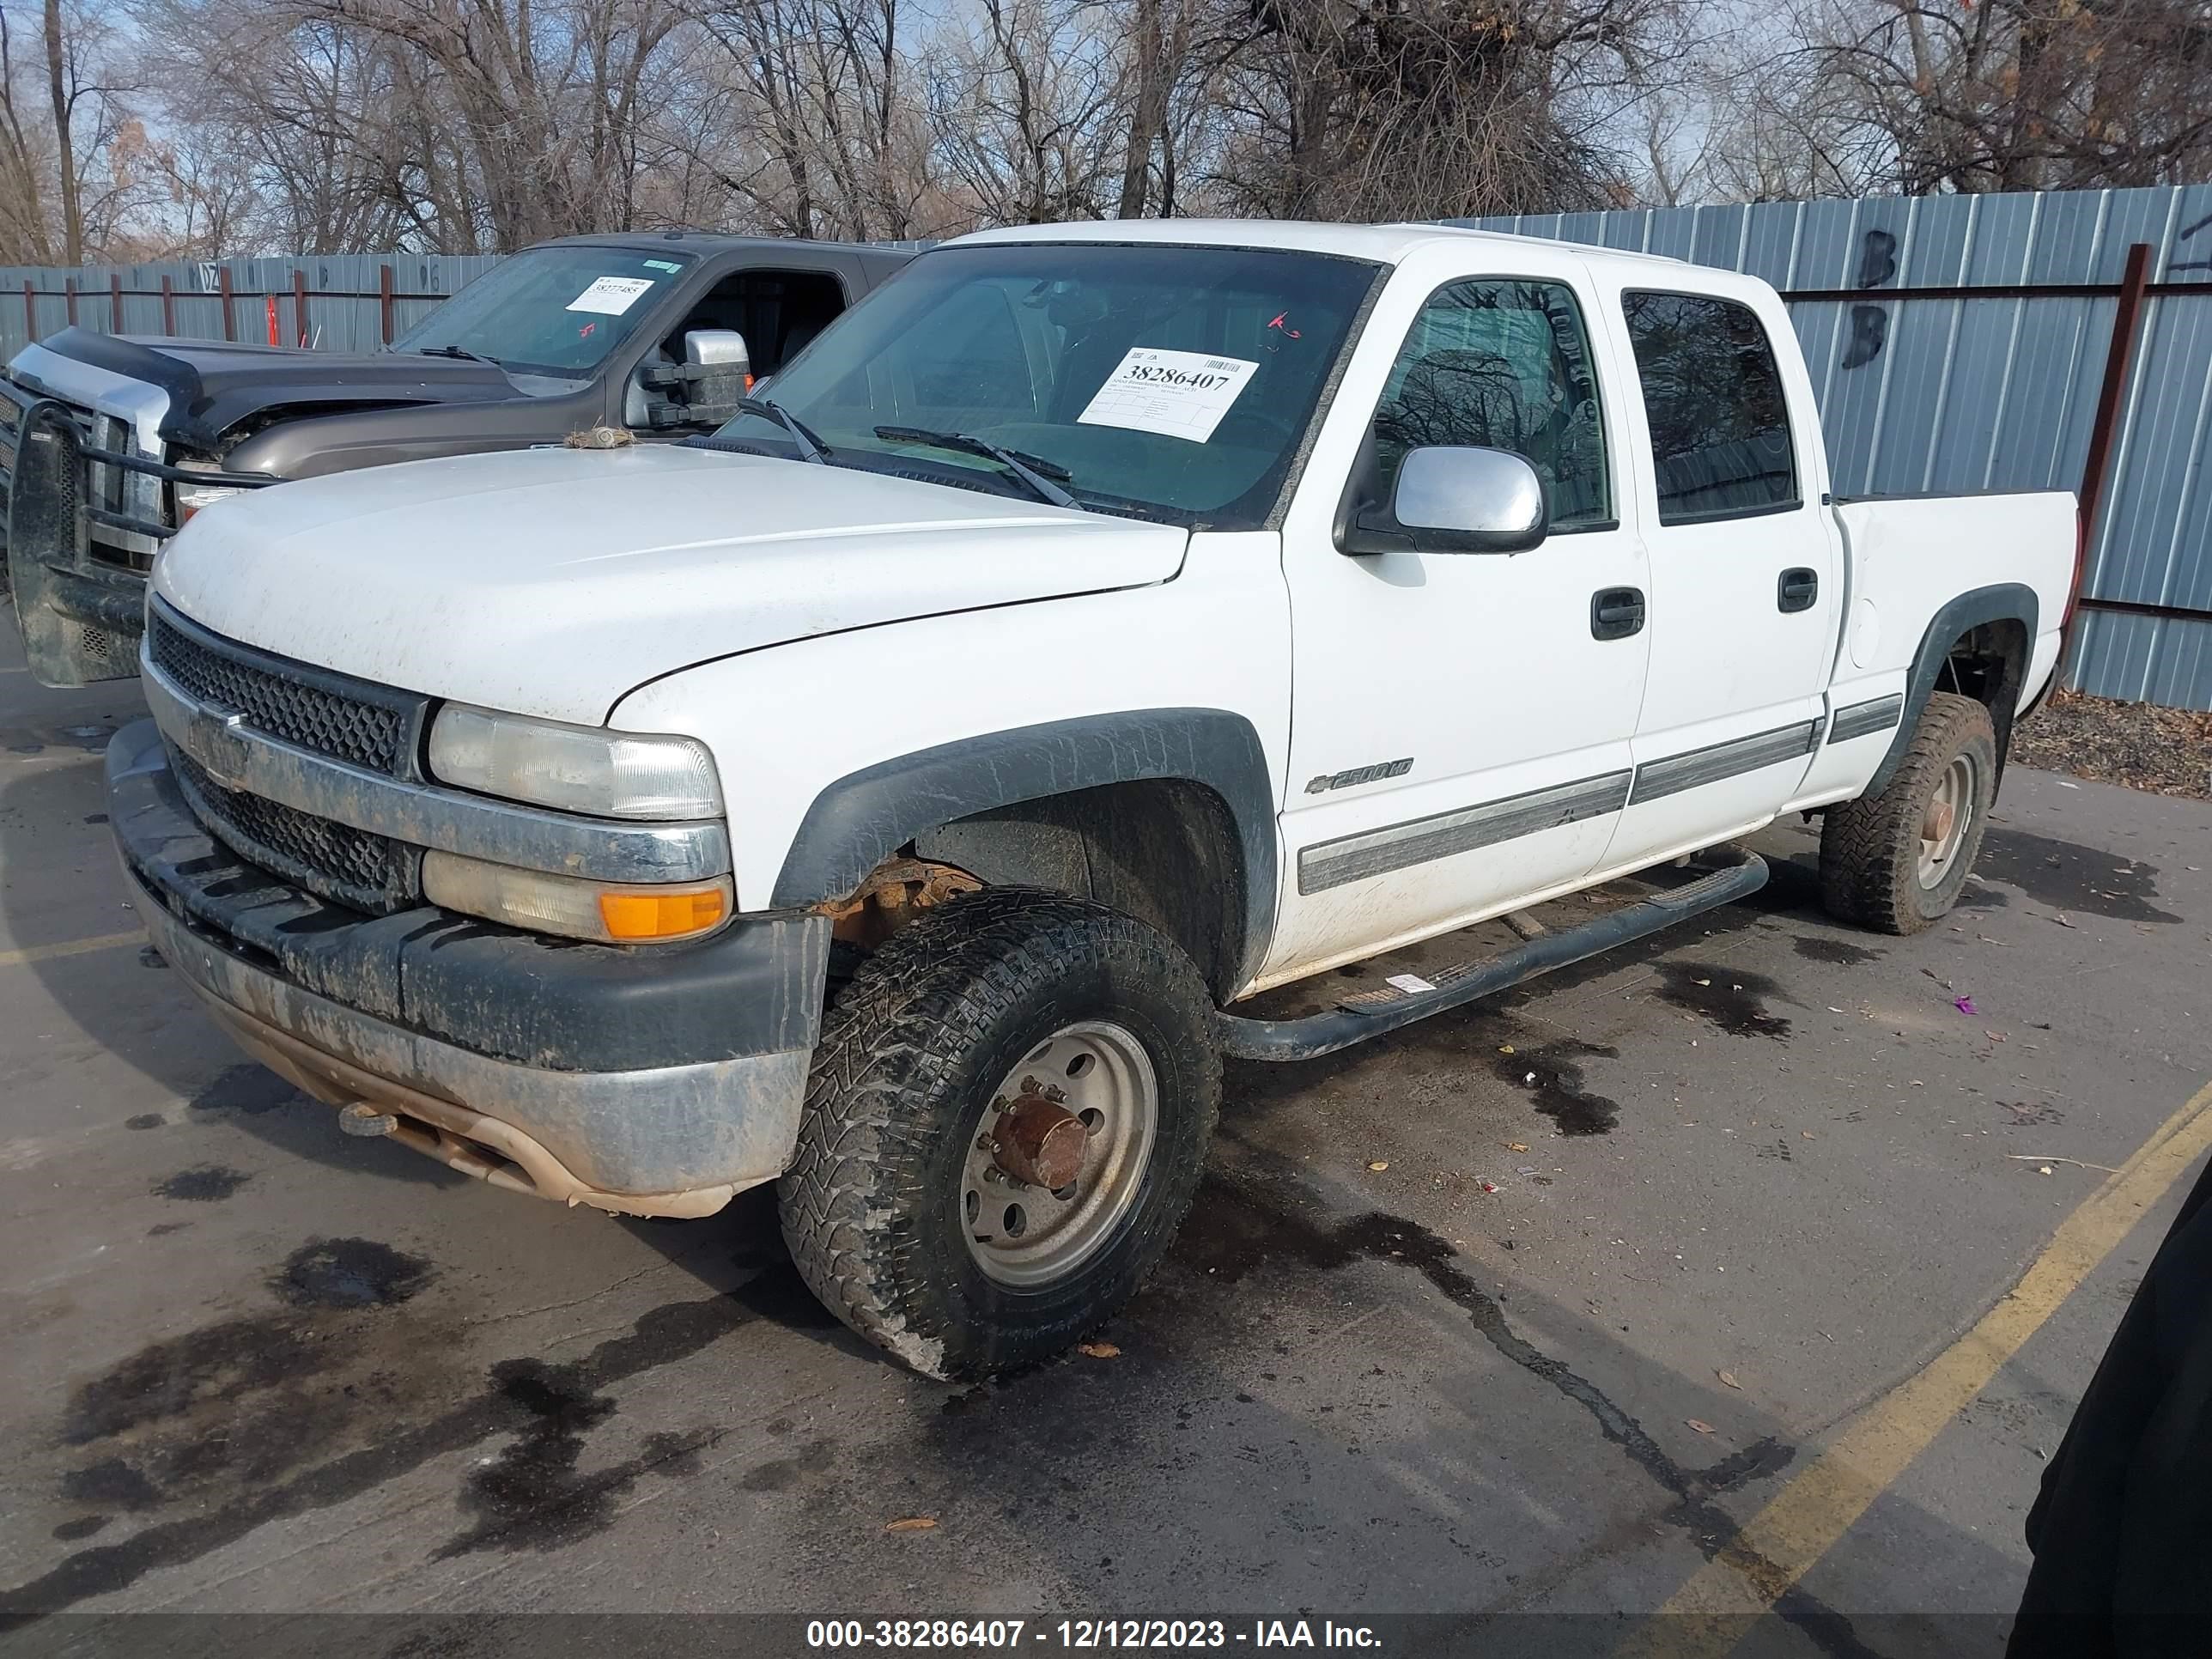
1370	1013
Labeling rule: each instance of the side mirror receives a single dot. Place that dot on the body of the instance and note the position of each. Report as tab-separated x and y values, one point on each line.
1455	498
718	347
717	370
704	390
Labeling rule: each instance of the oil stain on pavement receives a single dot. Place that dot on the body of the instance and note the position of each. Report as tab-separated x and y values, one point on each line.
1551	1073
1732	999
531	1496
1815	947
348	1383
207	1183
2068	876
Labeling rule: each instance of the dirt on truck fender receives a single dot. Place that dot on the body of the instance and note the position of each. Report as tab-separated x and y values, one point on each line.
902	793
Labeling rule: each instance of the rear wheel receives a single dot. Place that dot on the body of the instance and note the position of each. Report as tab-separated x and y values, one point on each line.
1005	1125
1898	860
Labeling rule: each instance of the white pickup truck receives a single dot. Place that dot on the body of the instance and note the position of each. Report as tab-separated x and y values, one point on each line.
896	794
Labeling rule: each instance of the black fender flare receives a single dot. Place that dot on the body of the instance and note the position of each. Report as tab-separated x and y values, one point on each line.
1999	602
862	818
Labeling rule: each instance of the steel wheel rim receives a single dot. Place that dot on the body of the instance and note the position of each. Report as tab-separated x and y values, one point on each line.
1943	825
1103	1070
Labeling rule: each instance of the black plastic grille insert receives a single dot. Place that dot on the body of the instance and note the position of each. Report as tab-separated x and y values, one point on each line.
335	862
365	724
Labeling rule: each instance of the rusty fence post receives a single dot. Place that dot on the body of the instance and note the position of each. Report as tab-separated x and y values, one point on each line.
2105	430
223	286
384	300
299	307
30	311
115	301
168	306
68	298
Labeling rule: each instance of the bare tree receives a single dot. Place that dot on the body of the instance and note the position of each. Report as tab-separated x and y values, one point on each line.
76	180
462	125
25	159
64	113
1025	113
1358	108
1921	95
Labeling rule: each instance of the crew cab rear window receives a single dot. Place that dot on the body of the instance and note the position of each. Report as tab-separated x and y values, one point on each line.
1502	365
1712	397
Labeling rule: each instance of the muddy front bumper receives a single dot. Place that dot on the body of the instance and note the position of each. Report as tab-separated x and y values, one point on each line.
651	1082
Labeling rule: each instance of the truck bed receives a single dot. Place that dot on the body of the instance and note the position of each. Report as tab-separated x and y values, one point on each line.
1913	556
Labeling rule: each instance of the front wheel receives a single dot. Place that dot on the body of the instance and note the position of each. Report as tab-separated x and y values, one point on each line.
1897	861
1005	1125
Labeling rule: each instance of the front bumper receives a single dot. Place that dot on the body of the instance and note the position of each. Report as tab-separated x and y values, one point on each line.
85	486
653	1082
79	615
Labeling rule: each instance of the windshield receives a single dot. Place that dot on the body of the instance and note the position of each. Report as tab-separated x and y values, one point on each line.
1173	382
552	311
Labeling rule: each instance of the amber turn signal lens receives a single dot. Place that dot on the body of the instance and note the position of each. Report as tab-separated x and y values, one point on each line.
633	916
575	910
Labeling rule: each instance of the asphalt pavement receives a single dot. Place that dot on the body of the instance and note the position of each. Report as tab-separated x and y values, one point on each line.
1531	1313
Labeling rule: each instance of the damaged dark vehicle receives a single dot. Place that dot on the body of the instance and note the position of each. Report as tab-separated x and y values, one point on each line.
110	444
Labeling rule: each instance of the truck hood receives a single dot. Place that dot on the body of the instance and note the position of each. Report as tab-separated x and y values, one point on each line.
213	385
553	581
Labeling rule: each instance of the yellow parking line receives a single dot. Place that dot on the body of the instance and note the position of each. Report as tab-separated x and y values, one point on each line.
1805	1519
76	947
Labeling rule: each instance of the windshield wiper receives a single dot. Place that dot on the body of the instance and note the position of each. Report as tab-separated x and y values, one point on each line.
1034	471
811	446
454	351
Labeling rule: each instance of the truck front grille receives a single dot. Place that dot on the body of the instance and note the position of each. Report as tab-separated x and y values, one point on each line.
334	861
353	720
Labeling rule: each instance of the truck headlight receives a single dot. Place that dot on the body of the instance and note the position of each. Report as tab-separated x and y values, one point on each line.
192	497
606	913
574	768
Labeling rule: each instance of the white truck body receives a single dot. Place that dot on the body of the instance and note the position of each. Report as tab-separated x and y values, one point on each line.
637	589
1400	740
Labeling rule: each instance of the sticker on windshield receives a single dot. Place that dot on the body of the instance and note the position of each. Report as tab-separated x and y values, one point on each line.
610	296
1177	394
668	265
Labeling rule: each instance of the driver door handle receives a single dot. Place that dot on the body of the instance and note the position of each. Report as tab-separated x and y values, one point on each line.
1616	612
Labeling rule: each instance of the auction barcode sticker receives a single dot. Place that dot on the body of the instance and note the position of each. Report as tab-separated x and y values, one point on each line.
610	296
1177	394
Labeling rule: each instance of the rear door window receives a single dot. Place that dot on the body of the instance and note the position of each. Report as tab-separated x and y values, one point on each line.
1721	445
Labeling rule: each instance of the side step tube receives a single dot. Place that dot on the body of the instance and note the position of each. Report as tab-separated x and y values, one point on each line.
1372	1013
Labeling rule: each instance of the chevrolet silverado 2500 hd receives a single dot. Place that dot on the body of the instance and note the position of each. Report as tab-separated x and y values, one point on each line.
896	793
656	335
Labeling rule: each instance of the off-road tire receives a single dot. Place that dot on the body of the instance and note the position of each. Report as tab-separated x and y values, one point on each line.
1871	848
908	1057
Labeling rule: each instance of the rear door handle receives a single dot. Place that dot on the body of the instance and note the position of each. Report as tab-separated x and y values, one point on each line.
1616	612
1796	589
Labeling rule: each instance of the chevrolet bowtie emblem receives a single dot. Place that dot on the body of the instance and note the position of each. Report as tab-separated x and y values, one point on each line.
220	751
